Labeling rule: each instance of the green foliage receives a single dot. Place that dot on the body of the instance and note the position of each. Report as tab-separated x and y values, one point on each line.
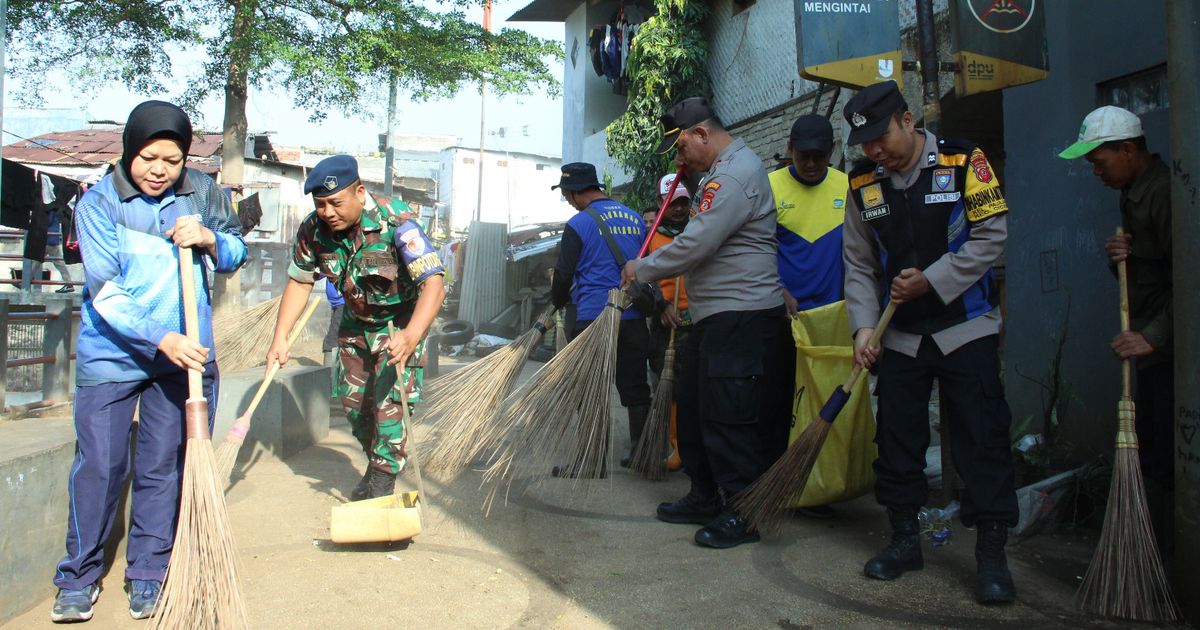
328	54
666	63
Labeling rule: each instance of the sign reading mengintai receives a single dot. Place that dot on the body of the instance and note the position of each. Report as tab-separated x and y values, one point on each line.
854	44
998	43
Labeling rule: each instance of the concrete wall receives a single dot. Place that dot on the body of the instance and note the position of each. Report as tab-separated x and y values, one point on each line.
1061	213
589	102
752	58
36	455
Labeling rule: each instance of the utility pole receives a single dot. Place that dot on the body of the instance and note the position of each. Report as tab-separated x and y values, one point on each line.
487	26
1183	50
3	62
389	150
927	49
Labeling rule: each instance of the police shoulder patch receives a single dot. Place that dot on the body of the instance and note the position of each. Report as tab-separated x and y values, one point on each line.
712	186
979	164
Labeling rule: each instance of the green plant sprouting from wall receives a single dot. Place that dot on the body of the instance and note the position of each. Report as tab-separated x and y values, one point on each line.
666	63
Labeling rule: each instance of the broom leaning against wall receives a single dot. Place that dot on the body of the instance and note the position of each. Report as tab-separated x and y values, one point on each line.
388	272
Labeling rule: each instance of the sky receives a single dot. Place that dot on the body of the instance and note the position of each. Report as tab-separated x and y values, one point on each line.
530	123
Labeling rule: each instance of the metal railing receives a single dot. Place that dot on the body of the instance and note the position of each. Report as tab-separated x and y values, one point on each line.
58	331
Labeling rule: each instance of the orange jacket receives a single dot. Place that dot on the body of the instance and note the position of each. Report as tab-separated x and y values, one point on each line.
667	285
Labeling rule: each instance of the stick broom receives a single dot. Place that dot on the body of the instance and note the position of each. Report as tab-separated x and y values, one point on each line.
201	589
228	450
1126	578
762	504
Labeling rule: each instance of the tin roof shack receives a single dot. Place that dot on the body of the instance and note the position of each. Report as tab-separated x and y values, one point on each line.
79	153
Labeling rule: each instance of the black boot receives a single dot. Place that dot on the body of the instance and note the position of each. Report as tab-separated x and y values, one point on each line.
637	422
697	507
729	529
904	552
363	489
382	482
995	582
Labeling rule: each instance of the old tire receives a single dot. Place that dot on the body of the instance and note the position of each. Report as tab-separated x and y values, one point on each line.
455	332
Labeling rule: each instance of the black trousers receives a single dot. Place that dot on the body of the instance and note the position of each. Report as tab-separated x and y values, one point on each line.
1155	407
733	411
969	379
633	351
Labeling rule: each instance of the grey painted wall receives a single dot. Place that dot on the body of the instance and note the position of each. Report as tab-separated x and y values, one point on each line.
1061	214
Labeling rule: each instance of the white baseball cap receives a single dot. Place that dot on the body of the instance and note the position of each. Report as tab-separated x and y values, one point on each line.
1104	124
664	187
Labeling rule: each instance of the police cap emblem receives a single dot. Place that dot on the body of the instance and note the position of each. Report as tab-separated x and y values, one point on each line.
858	119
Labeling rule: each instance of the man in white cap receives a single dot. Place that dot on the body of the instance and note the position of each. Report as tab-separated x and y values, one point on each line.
1111	139
675	314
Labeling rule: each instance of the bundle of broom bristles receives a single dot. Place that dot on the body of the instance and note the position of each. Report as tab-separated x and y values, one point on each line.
559	418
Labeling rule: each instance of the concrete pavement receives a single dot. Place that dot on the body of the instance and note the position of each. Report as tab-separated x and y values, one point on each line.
554	558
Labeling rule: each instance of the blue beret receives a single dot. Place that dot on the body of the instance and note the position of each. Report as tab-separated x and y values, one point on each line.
331	175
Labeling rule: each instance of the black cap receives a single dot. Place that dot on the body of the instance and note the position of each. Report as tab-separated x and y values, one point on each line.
811	133
682	115
330	175
578	176
868	111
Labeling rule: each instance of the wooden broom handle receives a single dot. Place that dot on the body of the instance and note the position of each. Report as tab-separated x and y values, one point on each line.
274	367
880	328
191	317
662	210
675	298
1123	288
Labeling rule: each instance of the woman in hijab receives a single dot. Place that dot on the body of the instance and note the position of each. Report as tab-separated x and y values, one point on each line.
133	352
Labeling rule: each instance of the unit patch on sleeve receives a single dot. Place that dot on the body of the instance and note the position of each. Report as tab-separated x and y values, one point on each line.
709	194
982	197
979	164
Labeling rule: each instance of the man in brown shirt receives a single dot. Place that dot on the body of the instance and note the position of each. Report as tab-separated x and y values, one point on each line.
1111	139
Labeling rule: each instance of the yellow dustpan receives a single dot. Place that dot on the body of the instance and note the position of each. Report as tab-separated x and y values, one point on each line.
382	519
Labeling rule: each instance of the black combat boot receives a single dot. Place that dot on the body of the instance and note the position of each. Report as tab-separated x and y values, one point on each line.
697	507
382	482
637	422
729	529
363	489
991	566
904	552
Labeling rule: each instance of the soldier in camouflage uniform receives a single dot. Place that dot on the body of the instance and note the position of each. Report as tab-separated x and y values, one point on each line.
387	270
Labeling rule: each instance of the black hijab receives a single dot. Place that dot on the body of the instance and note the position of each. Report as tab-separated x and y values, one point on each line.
150	121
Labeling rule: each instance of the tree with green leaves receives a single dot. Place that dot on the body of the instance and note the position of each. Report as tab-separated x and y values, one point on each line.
666	63
328	54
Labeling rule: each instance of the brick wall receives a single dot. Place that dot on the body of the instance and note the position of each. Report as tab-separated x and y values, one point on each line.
767	132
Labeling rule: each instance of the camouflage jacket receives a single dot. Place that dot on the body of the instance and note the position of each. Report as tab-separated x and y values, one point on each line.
365	262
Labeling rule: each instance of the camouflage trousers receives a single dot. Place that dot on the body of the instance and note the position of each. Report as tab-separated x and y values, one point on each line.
371	394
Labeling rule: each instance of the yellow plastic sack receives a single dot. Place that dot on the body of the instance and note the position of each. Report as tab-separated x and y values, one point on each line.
824	359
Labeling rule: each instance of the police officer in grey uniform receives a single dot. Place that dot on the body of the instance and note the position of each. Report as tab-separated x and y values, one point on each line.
733	411
925	220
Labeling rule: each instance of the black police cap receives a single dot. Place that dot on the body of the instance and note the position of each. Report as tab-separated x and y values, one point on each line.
682	115
330	175
578	176
811	132
868	111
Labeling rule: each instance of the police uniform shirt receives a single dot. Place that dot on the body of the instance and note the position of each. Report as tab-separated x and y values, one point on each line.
810	222
728	252
955	272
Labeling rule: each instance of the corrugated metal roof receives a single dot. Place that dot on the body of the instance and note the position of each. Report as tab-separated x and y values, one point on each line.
545	11
85	147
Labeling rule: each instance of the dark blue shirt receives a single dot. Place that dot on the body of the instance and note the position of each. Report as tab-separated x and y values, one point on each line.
585	260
